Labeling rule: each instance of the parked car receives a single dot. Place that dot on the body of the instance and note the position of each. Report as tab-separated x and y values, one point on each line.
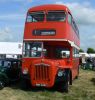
9	71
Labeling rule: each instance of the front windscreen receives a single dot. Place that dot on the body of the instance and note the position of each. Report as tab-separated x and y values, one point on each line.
56	16
32	49
35	17
56	52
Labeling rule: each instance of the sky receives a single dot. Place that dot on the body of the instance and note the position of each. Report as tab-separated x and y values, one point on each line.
13	15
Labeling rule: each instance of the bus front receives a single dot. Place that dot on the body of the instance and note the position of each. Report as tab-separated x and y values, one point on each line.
46	53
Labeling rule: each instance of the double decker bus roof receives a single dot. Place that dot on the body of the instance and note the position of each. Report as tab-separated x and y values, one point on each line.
49	7
50	27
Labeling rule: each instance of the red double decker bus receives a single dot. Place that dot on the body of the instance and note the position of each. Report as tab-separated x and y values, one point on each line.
50	47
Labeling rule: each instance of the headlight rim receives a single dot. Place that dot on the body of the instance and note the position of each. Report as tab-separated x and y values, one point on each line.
25	71
60	73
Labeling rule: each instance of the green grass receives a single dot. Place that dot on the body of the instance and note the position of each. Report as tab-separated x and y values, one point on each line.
83	88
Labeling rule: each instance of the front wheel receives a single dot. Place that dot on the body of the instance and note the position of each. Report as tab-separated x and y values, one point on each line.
1	85
64	85
25	84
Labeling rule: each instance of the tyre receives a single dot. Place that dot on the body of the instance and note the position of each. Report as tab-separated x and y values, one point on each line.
1	85
25	84
77	74
63	86
70	78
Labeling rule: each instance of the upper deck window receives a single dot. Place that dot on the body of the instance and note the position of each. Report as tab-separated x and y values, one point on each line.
70	18
35	17
56	16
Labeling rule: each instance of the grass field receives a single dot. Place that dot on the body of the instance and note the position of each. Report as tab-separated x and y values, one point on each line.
83	88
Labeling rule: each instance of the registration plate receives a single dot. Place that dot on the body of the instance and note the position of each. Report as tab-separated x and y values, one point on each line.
43	85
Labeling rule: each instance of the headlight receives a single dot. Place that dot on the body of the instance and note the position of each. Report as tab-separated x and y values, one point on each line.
25	71
60	73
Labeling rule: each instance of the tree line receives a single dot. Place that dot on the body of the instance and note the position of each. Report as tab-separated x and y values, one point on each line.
89	50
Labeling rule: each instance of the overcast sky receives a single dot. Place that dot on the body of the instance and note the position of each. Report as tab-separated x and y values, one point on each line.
13	13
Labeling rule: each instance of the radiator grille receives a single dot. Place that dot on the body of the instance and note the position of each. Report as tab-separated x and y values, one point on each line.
41	72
